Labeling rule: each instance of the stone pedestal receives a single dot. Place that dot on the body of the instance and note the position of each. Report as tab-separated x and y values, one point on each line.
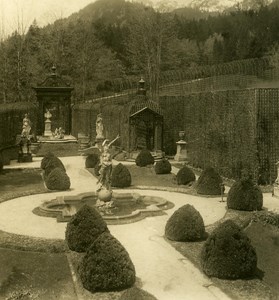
47	131
181	152
24	154
276	183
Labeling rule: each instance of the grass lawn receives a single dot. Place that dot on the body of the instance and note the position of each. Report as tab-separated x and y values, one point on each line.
265	238
146	176
34	275
265	285
46	275
134	292
20	182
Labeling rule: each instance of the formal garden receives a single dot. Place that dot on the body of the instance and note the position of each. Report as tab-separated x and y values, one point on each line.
139	151
237	252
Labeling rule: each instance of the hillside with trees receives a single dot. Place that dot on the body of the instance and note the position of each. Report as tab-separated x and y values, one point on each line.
112	40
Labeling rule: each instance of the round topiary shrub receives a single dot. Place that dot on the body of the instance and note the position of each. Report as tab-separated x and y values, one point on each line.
84	228
144	158
106	266
228	253
121	176
209	182
50	162
245	195
92	160
1	165
185	225
162	167
184	176
57	180
45	159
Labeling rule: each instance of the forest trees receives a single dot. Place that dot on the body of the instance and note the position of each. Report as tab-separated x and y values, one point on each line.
109	41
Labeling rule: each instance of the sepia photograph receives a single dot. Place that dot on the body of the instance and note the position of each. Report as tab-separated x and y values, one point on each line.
139	149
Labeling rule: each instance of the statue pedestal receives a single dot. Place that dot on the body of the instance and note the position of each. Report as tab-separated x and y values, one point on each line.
24	154
47	131
181	152
24	157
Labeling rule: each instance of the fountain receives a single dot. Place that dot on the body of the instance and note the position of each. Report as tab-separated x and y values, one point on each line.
127	207
116	208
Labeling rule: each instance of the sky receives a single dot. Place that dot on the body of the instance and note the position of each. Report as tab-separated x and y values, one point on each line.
19	14
23	12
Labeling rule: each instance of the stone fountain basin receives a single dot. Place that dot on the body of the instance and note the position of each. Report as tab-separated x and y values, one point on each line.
64	207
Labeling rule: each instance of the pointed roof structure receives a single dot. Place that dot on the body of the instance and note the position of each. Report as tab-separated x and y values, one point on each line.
141	102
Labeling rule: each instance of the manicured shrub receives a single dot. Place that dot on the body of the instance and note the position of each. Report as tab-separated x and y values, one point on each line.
209	183
45	159
245	195
92	160
162	167
84	228
106	266
266	217
121	176
1	164
228	253
185	225
184	176
50	162
57	180
144	158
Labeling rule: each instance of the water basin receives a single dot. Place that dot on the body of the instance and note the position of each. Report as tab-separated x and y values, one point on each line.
126	207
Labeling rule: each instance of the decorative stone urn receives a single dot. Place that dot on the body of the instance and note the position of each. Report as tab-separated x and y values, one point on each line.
181	152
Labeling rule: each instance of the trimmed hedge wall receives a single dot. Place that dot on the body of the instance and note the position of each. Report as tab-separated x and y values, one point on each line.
220	129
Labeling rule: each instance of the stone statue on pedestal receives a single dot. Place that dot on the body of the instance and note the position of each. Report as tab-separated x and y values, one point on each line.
24	153
48	115
99	127
26	126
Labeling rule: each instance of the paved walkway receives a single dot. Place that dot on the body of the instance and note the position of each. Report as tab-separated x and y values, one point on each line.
164	272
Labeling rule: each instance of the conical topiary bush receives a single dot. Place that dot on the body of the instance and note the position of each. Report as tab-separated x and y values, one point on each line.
1	164
45	159
106	266
185	225
209	182
51	162
185	176
144	158
228	253
83	228
162	167
245	195
58	180
121	176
